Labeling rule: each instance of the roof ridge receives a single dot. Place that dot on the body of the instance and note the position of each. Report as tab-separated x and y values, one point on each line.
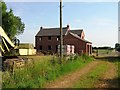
77	29
53	28
74	34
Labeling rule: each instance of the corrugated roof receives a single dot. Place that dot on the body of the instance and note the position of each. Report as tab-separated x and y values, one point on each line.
51	32
76	36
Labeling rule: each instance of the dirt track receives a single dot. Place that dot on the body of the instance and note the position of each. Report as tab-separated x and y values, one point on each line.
68	80
108	80
105	81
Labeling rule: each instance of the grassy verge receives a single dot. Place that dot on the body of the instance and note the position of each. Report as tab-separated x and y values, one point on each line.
90	78
38	73
117	63
119	72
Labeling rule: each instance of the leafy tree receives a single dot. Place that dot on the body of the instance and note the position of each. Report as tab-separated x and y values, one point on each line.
10	23
117	47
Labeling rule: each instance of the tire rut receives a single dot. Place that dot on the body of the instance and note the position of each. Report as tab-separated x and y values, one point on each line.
68	80
108	80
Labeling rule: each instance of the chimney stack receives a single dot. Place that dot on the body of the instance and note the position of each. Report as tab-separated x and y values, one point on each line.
67	25
41	28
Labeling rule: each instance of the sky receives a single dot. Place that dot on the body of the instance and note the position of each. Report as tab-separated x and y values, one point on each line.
99	20
119	22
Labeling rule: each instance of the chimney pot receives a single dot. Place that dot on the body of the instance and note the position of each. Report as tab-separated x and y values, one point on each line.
41	27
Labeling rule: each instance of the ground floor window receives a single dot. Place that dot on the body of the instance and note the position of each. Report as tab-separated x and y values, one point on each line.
49	47
40	47
56	48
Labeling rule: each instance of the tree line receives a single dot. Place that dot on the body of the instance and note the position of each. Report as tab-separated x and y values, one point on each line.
117	47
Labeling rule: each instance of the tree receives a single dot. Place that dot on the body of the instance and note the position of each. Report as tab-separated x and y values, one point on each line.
117	47
10	23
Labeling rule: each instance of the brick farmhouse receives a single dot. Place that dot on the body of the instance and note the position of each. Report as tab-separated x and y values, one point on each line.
48	39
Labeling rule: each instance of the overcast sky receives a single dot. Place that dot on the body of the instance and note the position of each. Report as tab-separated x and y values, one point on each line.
99	20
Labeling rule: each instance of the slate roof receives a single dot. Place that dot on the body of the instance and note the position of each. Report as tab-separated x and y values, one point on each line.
76	36
51	32
56	31
78	32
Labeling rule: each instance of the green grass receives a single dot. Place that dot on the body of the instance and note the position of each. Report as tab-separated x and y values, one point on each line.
118	71
90	78
38	73
117	63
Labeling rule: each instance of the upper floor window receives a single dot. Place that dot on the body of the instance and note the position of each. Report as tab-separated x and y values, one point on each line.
49	38
58	38
40	38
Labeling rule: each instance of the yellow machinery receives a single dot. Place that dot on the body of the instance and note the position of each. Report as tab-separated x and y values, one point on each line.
7	46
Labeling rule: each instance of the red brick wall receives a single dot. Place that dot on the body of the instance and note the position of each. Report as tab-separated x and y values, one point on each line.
80	46
45	42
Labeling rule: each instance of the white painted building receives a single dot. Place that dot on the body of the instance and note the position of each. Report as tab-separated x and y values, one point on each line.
67	49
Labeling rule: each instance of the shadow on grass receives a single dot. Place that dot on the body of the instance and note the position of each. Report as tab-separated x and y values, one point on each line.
109	83
109	58
112	83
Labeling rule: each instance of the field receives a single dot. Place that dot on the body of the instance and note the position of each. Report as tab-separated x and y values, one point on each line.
105	52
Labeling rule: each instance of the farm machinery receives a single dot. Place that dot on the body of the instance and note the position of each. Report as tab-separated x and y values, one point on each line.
9	52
